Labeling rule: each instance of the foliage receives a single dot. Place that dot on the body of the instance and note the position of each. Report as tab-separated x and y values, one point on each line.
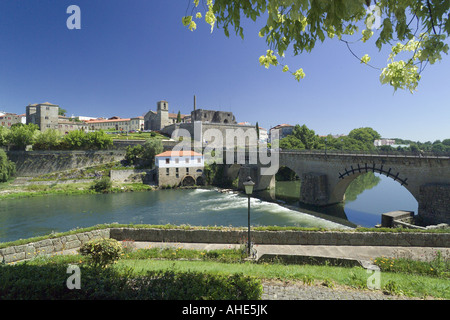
7	167
144	155
437	146
133	153
152	147
102	185
365	135
102	252
170	285
301	138
49	139
61	111
22	135
418	28
178	253
304	138
439	266
80	140
3	136
33	281
214	175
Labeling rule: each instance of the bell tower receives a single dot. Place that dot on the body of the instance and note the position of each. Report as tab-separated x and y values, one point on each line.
162	111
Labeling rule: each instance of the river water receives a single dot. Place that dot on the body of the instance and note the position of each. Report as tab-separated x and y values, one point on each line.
30	217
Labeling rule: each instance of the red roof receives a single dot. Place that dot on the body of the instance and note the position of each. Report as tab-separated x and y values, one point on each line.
178	154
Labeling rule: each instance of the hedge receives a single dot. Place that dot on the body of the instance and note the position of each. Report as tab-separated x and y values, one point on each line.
31	282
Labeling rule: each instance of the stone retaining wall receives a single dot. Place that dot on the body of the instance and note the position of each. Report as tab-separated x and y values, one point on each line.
36	163
330	238
49	246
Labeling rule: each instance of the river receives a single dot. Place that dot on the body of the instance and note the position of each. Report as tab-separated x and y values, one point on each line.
366	200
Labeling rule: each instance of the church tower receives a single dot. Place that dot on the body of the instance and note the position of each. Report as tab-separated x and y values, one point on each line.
162	112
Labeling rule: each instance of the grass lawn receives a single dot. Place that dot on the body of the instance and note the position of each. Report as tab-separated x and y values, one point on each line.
230	261
393	283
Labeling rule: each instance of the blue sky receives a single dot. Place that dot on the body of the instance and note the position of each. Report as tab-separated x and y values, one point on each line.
130	54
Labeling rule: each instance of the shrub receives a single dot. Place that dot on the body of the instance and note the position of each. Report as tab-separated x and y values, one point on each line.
102	252
104	184
7	167
169	285
134	153
46	282
49	139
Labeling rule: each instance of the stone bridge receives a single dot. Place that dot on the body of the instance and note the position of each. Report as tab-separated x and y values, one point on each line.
326	176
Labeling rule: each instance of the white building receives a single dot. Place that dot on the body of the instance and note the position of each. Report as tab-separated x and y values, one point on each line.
180	168
178	159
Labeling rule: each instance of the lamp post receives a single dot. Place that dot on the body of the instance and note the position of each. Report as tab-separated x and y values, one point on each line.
248	185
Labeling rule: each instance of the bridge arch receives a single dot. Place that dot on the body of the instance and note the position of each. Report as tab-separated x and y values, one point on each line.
349	174
287	184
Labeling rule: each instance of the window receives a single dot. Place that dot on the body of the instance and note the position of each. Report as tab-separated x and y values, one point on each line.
187	160
167	160
167	171
177	160
176	170
187	170
46	118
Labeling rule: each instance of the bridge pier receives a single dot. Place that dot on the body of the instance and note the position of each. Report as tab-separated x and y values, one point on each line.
314	189
434	203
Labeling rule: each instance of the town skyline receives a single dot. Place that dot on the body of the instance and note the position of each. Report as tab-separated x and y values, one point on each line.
126	57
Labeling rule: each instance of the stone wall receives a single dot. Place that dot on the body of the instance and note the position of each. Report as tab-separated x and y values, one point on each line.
137	175
172	177
49	246
123	144
36	163
70	243
330	238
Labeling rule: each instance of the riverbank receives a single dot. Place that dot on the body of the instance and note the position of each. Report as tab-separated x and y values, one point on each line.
74	188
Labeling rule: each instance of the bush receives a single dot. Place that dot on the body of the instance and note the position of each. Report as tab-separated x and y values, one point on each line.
21	135
170	285
7	167
102	185
27	281
134	153
102	252
80	140
49	139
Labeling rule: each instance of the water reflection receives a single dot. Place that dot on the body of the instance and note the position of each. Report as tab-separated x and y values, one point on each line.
366	198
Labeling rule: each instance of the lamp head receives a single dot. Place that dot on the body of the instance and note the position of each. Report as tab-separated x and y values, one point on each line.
248	185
